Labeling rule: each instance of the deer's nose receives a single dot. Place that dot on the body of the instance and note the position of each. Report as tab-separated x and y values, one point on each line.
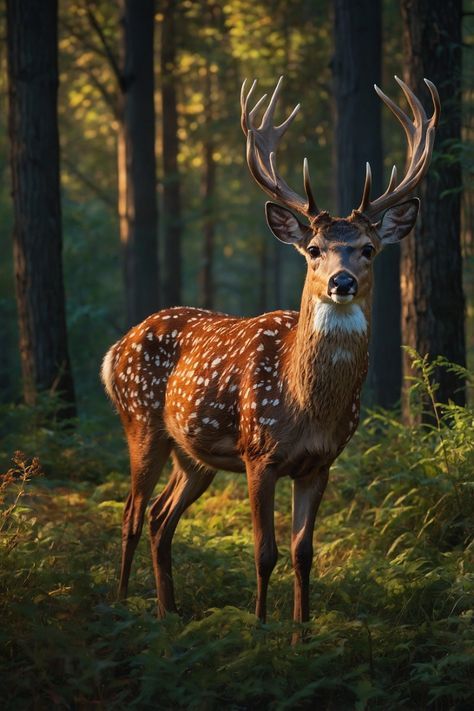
342	284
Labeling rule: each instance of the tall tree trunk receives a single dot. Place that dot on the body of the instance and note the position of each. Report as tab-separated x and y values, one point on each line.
208	191
171	178
277	275
263	275
37	235
357	66
431	267
138	211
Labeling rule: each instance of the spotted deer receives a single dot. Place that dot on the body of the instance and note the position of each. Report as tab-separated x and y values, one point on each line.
276	395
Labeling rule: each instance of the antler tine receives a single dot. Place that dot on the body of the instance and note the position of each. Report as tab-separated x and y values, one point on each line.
244	100
419	162
273	167
247	116
256	107
243	106
415	104
392	182
436	102
270	110
365	202
411	181
261	177
401	115
281	129
312	207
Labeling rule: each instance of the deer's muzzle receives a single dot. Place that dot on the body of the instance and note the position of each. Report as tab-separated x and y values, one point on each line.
342	287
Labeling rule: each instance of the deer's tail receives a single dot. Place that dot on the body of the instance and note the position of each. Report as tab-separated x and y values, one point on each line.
107	373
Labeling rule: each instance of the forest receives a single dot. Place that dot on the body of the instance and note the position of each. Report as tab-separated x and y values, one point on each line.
126	190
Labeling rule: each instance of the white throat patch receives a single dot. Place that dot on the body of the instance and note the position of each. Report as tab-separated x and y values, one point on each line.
346	318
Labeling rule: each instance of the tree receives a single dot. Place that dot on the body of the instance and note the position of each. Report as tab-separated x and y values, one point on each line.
356	67
431	266
132	104
171	178
37	232
208	195
138	212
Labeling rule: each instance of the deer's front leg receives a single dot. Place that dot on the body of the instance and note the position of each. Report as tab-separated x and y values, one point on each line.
307	494
261	485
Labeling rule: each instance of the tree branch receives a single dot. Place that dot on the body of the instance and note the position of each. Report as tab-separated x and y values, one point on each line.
88	183
106	95
107	48
82	39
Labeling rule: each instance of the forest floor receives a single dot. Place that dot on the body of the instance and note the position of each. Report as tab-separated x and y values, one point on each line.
392	586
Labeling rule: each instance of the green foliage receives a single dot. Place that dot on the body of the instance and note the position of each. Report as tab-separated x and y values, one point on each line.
66	448
392	599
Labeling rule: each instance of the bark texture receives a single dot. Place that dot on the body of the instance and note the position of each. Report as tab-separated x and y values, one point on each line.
208	195
37	235
171	178
431	266
138	212
357	67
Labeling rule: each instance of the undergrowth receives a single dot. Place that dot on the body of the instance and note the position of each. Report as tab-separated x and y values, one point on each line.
392	589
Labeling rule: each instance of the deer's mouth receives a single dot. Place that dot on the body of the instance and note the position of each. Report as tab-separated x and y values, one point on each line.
341	298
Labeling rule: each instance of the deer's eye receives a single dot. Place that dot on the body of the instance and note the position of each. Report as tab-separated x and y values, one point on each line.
314	252
368	251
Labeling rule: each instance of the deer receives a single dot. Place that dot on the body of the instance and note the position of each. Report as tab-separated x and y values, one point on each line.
272	396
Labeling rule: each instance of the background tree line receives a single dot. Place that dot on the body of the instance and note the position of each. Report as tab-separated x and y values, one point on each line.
130	189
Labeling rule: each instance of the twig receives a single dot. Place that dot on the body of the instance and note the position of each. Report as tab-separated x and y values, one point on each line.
107	49
89	183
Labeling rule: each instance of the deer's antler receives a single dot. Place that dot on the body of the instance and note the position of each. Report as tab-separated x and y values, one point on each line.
420	135
262	143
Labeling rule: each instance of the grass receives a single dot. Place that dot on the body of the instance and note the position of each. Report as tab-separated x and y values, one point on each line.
392	589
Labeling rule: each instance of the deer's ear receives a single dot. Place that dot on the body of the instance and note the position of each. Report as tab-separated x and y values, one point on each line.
284	224
398	221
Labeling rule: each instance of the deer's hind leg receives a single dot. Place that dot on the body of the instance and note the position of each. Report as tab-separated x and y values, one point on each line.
187	482
148	456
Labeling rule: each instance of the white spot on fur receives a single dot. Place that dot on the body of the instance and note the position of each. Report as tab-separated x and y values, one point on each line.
266	420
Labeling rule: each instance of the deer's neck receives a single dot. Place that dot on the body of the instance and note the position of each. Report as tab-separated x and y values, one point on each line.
328	360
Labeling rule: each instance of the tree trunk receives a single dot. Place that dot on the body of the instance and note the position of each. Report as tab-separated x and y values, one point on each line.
357	66
37	235
171	179
277	274
431	267
263	275
208	190
138	211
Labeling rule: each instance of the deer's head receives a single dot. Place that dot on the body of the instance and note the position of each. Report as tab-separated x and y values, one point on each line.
340	251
